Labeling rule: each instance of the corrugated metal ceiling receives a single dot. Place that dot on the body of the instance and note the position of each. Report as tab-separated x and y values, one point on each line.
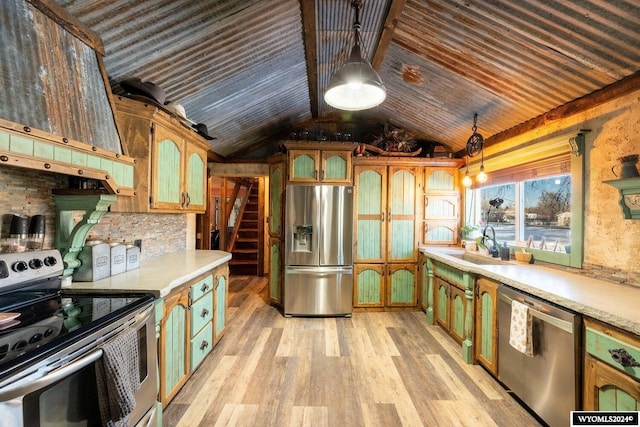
241	67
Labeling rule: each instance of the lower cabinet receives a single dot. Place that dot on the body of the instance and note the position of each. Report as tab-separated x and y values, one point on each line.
390	285
450	306
611	369
486	324
193	321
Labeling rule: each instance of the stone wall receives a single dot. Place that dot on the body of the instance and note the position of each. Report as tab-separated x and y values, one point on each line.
28	192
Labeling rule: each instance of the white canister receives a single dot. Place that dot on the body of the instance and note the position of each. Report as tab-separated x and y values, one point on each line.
133	257
118	258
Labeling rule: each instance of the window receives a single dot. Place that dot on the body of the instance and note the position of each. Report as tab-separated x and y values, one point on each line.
536	205
533	213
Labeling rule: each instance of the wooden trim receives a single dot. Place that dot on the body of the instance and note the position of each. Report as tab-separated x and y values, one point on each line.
556	165
308	9
389	27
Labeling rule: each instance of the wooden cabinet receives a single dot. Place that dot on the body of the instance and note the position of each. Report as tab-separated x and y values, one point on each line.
277	175
386	226
276	190
453	305
320	162
441	206
275	271
611	368
193	320
174	344
486	324
171	160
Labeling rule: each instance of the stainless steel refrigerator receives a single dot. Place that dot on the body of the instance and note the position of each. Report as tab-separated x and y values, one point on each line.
318	279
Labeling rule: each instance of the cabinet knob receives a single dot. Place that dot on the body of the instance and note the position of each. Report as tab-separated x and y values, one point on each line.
204	288
204	313
204	345
623	357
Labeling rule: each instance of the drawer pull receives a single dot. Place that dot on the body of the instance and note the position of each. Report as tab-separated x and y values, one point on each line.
623	357
204	288
204	313
204	345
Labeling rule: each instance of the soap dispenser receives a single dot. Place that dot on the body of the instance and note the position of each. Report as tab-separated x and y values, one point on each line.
504	252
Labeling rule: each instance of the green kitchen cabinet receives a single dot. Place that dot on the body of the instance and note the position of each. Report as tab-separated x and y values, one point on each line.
275	271
486	324
441	206
171	160
327	163
201	311
221	294
386	233
611	371
276	189
174	344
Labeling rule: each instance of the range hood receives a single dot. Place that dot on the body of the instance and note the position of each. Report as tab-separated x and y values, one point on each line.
56	108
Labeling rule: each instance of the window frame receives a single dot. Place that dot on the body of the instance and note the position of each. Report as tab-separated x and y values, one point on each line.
540	169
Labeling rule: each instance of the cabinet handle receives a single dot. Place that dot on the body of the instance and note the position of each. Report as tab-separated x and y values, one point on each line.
204	345
315	174
623	357
322	174
187	200
204	288
204	313
389	216
382	216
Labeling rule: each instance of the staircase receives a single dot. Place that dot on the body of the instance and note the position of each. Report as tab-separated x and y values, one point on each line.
245	240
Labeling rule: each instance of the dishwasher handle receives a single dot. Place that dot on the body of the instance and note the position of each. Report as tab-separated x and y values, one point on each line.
559	323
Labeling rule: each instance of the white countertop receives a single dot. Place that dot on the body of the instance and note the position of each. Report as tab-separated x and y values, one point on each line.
616	304
158	275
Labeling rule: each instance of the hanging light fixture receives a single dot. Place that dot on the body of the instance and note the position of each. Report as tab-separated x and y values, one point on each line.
475	145
466	181
356	85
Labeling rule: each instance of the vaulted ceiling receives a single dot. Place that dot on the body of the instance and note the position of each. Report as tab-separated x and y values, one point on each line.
254	71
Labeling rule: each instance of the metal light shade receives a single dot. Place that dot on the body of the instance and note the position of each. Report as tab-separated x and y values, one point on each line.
356	85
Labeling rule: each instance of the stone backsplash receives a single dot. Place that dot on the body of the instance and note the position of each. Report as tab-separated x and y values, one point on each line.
28	192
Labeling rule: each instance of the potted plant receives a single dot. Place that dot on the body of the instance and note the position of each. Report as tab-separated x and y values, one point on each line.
470	232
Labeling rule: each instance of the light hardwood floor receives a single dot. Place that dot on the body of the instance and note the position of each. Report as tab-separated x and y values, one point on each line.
373	369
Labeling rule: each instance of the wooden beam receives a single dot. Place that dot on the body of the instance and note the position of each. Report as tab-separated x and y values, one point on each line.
390	23
308	9
247	170
587	102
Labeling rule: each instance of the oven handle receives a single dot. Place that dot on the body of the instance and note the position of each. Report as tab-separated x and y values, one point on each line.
10	392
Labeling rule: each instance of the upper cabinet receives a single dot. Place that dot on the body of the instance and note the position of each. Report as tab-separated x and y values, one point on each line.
441	205
320	162
171	160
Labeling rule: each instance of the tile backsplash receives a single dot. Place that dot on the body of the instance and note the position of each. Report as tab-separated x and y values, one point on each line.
28	192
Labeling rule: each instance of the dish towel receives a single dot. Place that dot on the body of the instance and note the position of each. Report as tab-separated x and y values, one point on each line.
520	331
118	378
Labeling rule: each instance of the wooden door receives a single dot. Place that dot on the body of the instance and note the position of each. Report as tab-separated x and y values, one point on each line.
370	210
441	306
405	184
194	192
335	166
369	285
167	180
174	345
303	165
402	290
486	324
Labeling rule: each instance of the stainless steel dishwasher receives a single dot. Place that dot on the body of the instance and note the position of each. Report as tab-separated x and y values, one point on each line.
545	382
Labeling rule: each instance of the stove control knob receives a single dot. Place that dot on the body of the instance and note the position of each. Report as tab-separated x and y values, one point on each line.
20	266
35	263
50	261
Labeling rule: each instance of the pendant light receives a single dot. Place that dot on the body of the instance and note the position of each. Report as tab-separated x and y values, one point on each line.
356	85
466	181
475	145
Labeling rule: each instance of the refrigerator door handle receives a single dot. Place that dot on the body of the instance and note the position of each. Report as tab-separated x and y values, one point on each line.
328	270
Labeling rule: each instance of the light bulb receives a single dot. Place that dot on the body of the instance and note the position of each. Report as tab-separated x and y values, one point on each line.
467	181
482	176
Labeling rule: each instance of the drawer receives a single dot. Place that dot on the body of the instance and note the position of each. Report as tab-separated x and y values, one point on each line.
201	313
598	343
201	345
201	287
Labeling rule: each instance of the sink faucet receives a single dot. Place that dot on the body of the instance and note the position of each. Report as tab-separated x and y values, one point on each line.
494	245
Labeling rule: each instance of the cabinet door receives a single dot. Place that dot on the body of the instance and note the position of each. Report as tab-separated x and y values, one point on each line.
369	284
195	190
423	282
336	166
457	312
402	285
608	389
441	219
405	183
275	271
220	292
167	180
370	210
441	304
303	165
486	324
275	198
441	180
174	344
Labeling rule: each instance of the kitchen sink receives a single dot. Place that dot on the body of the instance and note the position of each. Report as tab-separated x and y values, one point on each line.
478	259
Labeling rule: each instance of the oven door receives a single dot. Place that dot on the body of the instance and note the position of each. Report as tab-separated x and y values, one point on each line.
68	396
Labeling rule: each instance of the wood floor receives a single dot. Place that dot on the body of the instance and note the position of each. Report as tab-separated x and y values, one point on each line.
373	369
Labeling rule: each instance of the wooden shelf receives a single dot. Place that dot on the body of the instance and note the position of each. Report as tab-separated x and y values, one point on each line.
629	189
